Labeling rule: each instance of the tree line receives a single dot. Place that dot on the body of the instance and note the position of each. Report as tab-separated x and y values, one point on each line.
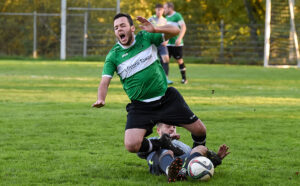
16	31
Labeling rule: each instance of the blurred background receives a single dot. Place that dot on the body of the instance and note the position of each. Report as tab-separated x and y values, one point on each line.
218	31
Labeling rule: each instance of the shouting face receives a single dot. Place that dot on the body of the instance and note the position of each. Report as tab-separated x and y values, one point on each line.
123	31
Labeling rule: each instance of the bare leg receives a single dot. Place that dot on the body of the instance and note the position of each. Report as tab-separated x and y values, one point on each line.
133	139
197	128
198	131
200	149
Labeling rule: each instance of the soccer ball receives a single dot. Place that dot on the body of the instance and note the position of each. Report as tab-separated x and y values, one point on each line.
201	168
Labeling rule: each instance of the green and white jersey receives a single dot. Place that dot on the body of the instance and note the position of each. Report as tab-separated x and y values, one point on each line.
138	67
175	19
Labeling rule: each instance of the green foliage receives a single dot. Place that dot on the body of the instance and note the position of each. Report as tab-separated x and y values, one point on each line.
50	135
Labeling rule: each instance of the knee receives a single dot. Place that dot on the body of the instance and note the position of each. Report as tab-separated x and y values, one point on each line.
133	146
200	149
168	152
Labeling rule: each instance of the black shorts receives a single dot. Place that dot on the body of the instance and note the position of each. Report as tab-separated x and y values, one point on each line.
175	51
170	109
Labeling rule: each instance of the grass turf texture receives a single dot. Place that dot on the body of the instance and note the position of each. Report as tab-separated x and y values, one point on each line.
49	134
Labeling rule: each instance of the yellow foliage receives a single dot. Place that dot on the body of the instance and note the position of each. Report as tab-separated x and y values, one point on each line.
101	19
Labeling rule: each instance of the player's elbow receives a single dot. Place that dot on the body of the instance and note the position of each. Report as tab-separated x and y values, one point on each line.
172	33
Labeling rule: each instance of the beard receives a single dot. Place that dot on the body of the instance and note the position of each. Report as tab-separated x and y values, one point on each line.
129	40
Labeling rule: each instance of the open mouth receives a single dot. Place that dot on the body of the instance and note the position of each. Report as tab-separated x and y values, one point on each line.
122	37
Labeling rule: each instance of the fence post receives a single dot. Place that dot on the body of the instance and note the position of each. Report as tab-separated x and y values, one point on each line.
267	33
63	34
85	34
118	6
222	40
34	35
291	5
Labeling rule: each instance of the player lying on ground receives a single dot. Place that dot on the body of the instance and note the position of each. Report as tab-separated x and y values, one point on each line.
134	58
175	165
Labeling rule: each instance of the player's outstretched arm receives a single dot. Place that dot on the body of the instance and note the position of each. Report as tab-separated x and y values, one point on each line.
102	92
169	30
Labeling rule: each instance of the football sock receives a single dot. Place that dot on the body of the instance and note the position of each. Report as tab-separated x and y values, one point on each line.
182	70
149	145
189	158
165	161
146	146
166	68
199	140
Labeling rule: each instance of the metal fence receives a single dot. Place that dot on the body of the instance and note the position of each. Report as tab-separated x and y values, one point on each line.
90	35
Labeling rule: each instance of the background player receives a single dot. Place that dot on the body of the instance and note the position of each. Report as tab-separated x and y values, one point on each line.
159	20
175	44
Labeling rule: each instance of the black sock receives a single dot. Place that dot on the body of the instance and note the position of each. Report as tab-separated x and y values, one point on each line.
165	161
149	145
145	147
189	158
199	140
166	68
182	70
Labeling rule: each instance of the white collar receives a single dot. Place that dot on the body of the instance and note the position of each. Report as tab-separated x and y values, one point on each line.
172	14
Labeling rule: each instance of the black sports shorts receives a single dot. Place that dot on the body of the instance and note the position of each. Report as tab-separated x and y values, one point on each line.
170	109
175	51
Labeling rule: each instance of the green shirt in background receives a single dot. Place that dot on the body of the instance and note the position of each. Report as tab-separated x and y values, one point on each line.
175	20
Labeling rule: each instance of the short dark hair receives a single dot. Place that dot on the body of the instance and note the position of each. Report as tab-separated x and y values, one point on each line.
159	5
124	15
170	5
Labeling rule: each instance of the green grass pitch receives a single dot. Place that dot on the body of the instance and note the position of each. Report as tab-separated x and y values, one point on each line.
50	135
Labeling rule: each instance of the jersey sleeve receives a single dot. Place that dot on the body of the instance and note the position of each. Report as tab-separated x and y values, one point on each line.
109	66
154	38
180	19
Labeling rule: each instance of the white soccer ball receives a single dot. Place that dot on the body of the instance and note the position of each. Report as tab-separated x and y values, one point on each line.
201	168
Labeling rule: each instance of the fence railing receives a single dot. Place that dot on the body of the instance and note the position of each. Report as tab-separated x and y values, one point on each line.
38	34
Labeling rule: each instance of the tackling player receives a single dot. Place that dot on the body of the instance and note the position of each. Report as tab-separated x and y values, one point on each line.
175	166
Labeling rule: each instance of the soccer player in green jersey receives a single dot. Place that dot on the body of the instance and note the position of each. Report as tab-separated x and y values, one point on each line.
134	58
175	45
159	20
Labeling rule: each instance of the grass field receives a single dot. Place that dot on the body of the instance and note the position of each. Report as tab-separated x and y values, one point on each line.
50	135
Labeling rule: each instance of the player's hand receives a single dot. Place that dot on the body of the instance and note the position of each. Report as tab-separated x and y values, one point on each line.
178	42
175	136
99	103
146	25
